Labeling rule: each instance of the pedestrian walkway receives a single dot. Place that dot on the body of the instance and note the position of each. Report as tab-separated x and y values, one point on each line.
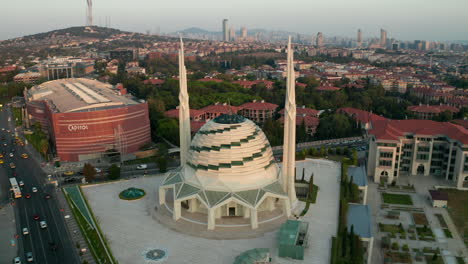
8	250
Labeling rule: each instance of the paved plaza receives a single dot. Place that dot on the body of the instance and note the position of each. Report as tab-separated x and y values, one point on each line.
131	229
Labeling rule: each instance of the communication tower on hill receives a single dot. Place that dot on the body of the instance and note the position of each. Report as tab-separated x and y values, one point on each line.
89	13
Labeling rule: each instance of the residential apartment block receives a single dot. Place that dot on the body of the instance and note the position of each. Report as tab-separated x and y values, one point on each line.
418	147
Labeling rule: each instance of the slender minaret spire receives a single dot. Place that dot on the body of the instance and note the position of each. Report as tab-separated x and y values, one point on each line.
184	110
289	144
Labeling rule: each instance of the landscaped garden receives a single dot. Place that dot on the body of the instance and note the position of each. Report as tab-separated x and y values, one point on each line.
425	233
420	219
393	198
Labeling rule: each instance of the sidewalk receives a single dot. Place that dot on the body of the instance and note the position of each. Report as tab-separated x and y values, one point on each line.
7	233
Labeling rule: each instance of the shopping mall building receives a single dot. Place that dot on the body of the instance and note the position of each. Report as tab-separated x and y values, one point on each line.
86	118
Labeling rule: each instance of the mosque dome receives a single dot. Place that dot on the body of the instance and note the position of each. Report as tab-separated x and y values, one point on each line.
230	153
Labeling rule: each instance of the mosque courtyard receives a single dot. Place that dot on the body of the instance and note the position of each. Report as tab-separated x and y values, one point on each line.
132	228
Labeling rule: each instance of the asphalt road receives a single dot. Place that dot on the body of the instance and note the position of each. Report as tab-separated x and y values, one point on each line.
38	240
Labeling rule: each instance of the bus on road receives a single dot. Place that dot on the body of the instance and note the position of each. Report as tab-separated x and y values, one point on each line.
15	188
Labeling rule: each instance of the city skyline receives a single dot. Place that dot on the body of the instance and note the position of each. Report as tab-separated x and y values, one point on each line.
431	21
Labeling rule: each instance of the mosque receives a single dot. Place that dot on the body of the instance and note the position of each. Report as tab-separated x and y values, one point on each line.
228	168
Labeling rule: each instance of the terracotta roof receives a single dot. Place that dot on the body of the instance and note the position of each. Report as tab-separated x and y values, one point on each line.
300	111
259	106
461	122
432	108
174	113
220	108
361	115
301	84
393	129
154	81
249	84
327	88
210	80
196	125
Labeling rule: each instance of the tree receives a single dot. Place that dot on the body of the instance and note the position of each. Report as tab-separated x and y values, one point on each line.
354	157
344	242
44	146
162	164
352	245
444	116
301	133
168	128
89	172
114	172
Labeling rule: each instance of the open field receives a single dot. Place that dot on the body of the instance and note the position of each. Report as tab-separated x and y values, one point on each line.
458	210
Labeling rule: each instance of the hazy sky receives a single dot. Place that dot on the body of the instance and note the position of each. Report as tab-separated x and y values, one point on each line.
403	19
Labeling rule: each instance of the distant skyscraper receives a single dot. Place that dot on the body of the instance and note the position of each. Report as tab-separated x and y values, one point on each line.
225	30
244	32
383	38
319	39
232	34
359	38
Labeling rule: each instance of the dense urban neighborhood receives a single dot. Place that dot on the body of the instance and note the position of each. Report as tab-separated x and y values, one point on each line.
302	149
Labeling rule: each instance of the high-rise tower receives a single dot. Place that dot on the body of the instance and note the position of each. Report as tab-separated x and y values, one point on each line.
225	30
289	144
184	110
244	33
89	13
359	38
319	40
383	38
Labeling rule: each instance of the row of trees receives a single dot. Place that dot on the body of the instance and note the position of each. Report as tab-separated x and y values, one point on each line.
347	248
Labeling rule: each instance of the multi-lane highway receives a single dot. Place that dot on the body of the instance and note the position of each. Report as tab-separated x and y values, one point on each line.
39	241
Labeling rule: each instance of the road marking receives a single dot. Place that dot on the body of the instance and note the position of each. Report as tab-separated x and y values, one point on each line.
30	234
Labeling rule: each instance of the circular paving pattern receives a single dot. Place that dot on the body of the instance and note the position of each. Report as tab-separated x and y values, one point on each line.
155	254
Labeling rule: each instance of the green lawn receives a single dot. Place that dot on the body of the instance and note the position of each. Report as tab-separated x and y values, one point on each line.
390	228
448	234
392	198
458	210
98	247
429	260
425	233
17	116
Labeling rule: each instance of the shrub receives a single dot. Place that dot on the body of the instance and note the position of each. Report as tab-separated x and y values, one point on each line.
405	247
395	246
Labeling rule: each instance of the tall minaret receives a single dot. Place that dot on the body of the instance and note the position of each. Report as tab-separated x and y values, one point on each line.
184	110
289	144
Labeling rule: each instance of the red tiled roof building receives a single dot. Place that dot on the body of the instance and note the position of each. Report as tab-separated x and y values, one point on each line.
258	112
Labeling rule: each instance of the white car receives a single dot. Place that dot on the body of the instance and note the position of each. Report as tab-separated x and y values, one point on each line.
142	167
17	260
34	189
11	155
29	257
43	224
21	183
25	231
98	170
